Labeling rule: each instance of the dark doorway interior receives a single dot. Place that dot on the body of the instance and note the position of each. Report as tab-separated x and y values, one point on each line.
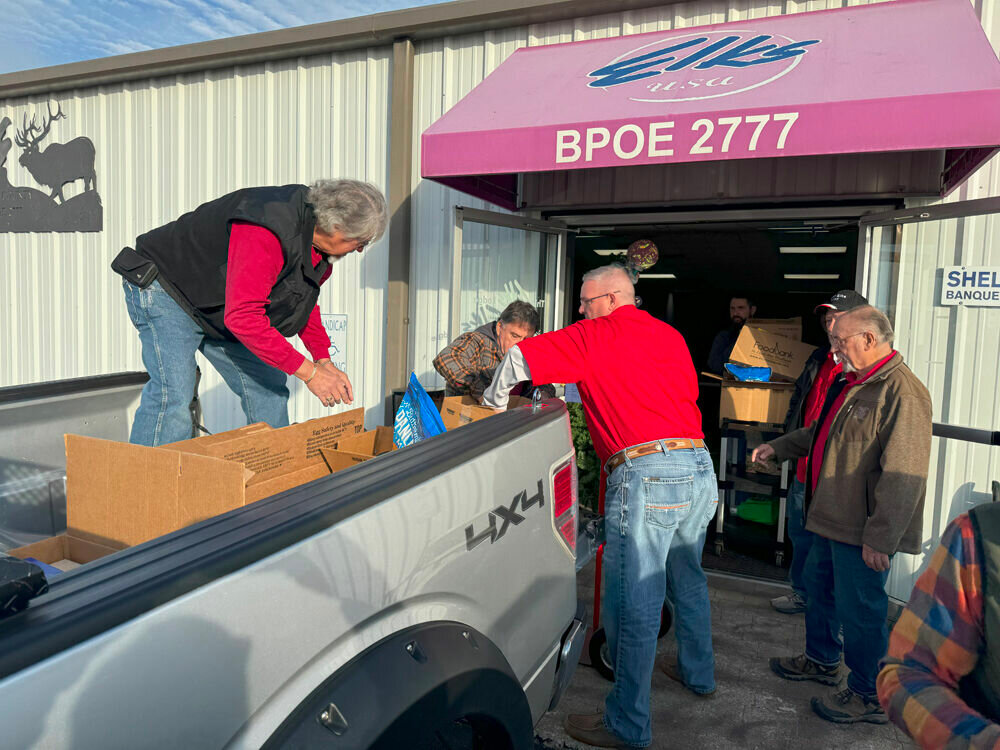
786	267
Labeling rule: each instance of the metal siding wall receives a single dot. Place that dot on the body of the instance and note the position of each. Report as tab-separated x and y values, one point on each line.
961	347
163	147
447	69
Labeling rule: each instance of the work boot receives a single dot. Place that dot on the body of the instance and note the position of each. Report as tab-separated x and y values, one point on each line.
847	707
671	670
801	668
590	728
789	604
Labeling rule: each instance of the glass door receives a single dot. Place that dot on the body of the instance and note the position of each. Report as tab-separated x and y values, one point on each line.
935	272
499	258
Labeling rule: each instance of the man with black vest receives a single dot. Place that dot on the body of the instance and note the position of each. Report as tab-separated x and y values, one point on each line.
940	682
234	278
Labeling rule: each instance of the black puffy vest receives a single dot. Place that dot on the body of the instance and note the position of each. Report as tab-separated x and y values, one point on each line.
191	254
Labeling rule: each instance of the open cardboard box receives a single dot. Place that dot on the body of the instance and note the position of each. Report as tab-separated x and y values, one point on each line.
119	495
64	551
357	449
460	410
757	347
752	402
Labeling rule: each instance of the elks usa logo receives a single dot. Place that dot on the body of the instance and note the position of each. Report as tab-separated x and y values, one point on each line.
701	65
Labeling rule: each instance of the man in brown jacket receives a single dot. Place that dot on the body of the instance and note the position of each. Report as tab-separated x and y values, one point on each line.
867	474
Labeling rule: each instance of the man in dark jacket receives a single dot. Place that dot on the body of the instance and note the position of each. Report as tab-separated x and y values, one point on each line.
467	364
741	309
866	478
807	402
233	279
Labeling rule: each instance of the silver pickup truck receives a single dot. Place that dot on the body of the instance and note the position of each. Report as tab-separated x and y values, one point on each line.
423	599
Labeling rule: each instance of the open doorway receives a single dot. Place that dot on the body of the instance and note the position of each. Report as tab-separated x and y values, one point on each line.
786	267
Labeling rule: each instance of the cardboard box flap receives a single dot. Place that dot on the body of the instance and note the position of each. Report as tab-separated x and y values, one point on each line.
459	410
315	469
788	327
126	494
271	453
337	459
371	443
756	347
56	549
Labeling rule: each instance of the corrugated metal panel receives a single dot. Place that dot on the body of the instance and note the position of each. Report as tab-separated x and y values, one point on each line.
163	147
817	177
446	69
954	351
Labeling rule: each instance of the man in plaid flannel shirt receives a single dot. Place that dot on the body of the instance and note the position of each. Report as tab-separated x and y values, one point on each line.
939	681
467	364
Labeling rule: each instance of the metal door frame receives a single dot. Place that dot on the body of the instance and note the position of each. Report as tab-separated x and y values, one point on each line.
555	231
939	212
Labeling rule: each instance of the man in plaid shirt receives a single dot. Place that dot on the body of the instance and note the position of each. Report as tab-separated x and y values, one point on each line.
467	364
939	681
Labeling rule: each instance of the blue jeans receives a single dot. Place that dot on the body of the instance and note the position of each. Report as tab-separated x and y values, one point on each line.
843	591
169	340
656	510
800	538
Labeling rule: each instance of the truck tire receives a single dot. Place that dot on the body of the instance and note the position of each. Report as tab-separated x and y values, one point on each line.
436	686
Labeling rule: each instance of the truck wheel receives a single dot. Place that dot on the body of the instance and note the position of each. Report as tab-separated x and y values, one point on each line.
600	658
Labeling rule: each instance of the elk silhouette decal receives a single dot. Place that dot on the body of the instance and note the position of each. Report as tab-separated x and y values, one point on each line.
54	166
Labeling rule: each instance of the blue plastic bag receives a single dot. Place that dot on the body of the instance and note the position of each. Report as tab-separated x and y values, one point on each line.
416	418
749	374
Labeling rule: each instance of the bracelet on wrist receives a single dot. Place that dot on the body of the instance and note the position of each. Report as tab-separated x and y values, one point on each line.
313	374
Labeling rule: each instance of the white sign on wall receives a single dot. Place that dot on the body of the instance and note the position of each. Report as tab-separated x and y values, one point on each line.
971	285
336	329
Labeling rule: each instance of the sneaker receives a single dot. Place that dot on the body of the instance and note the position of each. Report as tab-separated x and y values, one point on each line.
590	728
847	707
789	604
801	668
671	670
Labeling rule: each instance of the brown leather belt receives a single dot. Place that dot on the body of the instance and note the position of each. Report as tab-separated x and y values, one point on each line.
653	446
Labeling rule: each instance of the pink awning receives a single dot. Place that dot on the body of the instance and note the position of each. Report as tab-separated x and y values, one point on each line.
909	75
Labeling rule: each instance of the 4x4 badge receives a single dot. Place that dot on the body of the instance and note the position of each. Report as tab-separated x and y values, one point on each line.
507	514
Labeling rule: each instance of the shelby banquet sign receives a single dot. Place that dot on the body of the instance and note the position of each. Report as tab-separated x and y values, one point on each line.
687	68
53	167
971	285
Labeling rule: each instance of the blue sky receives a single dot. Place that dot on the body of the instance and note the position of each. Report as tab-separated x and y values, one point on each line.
37	33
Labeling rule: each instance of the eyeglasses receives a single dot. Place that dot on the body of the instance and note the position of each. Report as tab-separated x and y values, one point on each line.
584	301
839	342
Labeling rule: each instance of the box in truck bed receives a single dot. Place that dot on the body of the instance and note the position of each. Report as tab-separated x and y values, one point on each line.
119	495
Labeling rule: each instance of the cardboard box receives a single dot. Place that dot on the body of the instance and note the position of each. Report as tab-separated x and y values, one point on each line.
755	402
122	495
64	551
359	448
460	410
756	347
788	327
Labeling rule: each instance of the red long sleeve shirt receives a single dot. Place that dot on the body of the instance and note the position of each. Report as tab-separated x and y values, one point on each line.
635	375
255	260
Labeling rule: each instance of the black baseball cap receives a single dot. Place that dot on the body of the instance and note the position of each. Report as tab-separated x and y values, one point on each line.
842	301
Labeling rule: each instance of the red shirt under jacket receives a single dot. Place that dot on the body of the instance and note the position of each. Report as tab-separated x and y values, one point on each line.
815	399
635	375
255	260
819	446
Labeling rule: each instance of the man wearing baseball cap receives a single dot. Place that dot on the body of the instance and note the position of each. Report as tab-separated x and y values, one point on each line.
807	401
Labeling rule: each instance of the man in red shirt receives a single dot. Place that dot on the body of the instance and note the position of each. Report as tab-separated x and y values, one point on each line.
233	279
807	401
639	391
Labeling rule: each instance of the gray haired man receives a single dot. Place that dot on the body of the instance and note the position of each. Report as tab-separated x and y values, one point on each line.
233	279
866	477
